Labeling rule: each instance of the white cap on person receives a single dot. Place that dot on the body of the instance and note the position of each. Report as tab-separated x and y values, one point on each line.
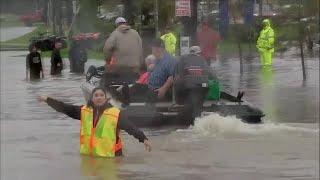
150	59
120	20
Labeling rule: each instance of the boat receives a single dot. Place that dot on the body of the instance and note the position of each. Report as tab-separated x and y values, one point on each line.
162	113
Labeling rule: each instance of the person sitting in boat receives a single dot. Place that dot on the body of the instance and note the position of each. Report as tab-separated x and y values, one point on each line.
145	73
161	78
191	78
100	124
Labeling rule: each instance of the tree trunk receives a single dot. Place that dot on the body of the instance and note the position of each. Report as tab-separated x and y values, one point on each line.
53	5
194	20
87	20
59	16
129	11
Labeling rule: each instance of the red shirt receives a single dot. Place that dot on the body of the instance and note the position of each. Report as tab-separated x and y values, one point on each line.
208	40
144	78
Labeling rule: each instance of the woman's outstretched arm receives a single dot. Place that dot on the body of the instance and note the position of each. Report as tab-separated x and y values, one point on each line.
68	109
125	124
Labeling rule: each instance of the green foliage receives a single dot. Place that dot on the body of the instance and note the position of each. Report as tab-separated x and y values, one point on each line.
87	20
166	12
311	8
96	55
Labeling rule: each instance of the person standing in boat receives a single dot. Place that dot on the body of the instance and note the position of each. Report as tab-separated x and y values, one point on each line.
191	78
125	45
100	124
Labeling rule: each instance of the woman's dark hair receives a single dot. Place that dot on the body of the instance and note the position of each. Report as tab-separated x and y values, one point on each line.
31	46
90	103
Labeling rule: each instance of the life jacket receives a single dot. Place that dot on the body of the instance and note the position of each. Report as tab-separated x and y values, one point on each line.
99	140
194	71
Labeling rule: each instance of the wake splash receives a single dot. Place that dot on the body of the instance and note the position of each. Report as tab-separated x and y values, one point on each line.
215	125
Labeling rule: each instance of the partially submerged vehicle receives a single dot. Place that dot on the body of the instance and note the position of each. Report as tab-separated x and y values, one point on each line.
125	93
46	42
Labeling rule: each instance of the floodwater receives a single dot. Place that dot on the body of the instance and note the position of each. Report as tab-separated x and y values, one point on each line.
38	143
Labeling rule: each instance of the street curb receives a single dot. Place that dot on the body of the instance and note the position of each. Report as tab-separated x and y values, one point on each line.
13	49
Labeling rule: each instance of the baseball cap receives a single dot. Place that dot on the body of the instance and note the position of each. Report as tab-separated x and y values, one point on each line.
150	59
195	50
120	20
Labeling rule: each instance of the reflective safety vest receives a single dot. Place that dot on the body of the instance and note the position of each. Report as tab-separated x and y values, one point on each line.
99	140
170	42
265	41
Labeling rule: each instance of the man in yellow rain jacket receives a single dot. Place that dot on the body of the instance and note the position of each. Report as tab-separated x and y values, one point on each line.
265	43
170	41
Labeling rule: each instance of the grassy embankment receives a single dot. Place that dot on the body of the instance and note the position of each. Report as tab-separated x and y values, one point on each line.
8	20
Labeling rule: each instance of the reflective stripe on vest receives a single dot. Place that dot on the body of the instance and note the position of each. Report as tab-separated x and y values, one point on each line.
99	140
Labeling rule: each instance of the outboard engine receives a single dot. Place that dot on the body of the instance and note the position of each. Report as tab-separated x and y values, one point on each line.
94	72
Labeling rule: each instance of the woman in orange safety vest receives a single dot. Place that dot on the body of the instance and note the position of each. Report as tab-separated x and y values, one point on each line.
100	124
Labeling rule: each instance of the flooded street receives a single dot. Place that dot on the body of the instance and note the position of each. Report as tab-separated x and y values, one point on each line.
38	143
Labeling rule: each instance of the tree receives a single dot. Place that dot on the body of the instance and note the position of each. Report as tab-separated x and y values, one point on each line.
87	20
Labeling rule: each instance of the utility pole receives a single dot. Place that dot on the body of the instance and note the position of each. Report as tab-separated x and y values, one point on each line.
59	16
99	6
194	19
156	18
240	56
53	6
37	5
260	7
301	44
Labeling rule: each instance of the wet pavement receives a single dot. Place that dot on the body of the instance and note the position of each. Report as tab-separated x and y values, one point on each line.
13	32
38	143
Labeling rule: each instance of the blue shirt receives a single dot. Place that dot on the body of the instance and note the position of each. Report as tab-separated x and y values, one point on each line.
163	69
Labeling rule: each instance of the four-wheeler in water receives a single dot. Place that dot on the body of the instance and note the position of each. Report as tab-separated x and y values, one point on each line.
46	42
